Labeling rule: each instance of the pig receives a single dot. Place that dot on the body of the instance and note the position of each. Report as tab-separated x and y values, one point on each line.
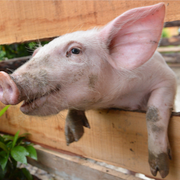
116	66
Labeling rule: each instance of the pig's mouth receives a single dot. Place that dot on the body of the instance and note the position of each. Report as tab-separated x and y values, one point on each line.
30	105
38	101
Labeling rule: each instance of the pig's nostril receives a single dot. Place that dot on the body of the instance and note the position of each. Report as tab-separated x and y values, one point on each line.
5	89
9	88
1	93
1	89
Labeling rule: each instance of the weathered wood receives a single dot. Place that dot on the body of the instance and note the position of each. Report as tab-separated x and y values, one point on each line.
174	41
172	23
36	19
171	57
116	137
168	49
75	167
12	64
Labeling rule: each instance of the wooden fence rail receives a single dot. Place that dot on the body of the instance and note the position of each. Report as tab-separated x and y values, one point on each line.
116	137
36	19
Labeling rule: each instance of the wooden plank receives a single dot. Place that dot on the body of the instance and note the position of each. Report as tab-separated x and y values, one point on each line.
172	41
79	168
116	137
168	49
36	19
12	64
172	58
172	24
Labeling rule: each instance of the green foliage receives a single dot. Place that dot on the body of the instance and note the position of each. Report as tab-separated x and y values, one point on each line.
165	33
18	50
12	150
4	110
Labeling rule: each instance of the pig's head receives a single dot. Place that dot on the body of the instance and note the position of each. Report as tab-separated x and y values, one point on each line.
77	70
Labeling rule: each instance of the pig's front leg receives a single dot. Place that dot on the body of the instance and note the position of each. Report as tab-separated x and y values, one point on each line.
74	129
157	118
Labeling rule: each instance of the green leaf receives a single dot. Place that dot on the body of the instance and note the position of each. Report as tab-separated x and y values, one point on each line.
9	145
19	154
3	146
15	139
8	137
27	174
4	110
19	141
3	159
32	152
32	45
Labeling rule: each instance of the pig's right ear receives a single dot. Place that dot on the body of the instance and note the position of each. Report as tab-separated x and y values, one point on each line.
133	37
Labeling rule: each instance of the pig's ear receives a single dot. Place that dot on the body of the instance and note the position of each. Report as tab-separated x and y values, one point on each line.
133	37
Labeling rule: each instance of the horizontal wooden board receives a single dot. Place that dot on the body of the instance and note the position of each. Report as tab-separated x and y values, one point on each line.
79	168
24	20
172	24
168	49
172	41
172	59
116	137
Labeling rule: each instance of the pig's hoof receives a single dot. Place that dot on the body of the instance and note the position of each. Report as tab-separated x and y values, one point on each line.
159	163
73	133
74	129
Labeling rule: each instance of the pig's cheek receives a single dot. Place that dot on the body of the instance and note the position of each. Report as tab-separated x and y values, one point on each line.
40	103
52	105
93	78
48	107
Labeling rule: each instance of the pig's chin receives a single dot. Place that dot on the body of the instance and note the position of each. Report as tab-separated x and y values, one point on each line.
38	107
28	107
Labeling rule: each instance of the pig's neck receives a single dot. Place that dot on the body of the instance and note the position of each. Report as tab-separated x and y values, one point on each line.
119	89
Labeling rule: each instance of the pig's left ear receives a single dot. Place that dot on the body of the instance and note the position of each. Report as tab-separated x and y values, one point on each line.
133	37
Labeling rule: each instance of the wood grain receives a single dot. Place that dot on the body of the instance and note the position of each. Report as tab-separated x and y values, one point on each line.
116	137
172	58
79	168
24	20
168	49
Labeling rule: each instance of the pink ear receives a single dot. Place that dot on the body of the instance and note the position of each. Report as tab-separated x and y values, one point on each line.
133	37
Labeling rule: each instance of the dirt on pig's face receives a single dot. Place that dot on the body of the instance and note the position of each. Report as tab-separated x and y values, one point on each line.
62	74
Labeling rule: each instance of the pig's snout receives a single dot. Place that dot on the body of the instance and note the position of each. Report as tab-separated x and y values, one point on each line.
9	92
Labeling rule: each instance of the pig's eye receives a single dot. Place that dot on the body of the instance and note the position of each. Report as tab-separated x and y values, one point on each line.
75	51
